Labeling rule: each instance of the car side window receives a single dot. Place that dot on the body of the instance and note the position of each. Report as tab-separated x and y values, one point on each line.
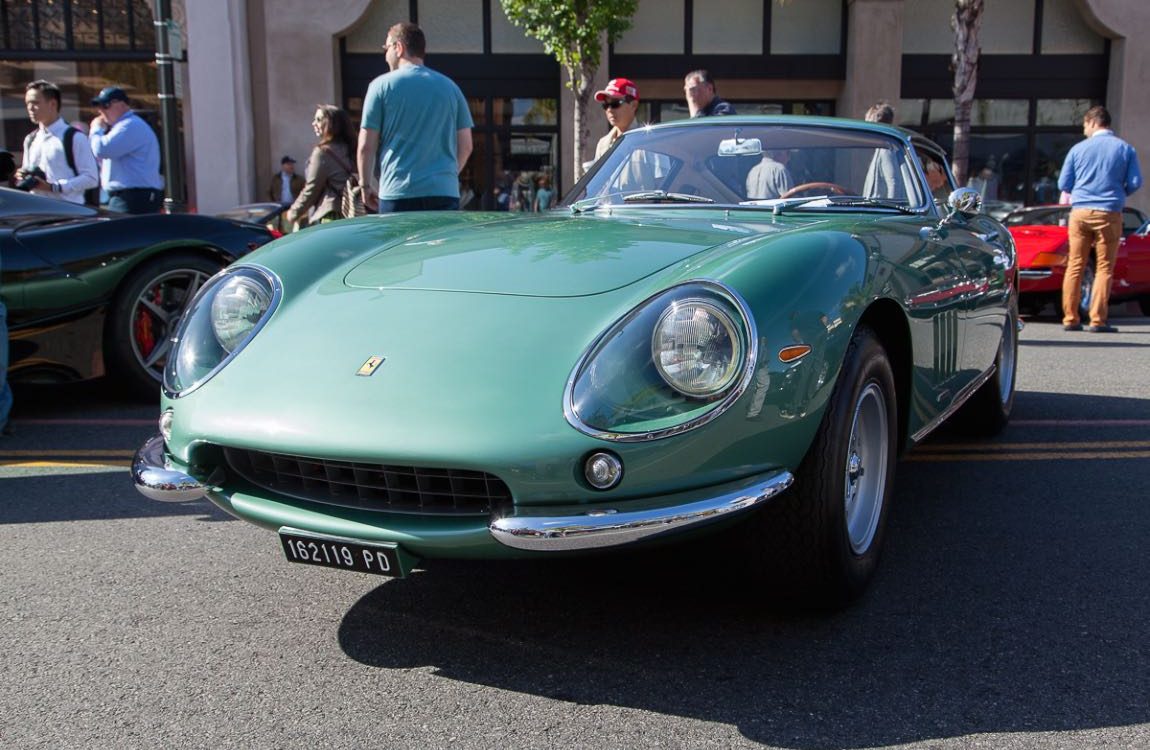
1131	220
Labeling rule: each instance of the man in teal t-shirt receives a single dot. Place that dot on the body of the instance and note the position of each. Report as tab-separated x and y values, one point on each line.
419	124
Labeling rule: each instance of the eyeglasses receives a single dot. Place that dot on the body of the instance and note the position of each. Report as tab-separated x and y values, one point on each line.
613	104
390	43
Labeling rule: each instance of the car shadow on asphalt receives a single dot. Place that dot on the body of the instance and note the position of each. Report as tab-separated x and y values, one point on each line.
1013	597
85	495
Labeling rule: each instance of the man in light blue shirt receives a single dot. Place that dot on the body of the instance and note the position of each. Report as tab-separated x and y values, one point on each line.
1099	173
418	122
132	154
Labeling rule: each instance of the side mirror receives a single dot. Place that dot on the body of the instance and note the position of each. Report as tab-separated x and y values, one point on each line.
965	202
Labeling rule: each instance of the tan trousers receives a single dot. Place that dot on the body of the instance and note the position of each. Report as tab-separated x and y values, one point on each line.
1101	230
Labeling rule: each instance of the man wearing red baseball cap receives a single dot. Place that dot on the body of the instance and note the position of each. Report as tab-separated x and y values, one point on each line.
620	101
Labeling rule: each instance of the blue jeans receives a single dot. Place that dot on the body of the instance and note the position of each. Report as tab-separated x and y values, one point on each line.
5	389
136	200
428	203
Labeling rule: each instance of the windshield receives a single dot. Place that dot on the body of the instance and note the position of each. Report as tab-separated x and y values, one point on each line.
753	164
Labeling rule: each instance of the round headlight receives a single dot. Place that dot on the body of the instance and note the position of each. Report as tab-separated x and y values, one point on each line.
236	309
221	319
696	348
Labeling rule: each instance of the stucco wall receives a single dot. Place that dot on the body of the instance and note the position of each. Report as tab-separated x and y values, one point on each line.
1126	96
256	70
874	55
220	131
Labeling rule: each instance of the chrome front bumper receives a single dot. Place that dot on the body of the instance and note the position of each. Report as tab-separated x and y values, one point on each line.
542	529
155	479
577	528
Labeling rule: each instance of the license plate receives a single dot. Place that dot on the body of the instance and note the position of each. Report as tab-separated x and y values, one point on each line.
380	558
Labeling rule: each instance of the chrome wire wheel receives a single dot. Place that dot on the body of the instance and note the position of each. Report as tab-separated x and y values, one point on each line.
155	314
866	468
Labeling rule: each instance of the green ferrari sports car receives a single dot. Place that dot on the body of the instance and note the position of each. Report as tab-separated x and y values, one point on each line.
730	325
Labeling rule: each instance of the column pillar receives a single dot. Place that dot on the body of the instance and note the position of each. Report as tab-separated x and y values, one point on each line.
874	56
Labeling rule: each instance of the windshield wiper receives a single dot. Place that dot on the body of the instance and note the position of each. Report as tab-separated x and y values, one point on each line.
854	200
663	195
778	205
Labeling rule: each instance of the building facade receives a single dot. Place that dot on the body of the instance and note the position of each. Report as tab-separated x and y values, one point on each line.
255	69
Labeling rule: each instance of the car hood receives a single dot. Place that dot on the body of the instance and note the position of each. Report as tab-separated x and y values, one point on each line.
551	256
1031	240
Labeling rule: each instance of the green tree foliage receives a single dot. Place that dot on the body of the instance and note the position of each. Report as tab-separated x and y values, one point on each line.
572	31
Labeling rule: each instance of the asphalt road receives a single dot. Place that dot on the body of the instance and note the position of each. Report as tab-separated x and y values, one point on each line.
1012	609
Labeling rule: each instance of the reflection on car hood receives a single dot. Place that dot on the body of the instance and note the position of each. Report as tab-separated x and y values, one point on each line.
551	256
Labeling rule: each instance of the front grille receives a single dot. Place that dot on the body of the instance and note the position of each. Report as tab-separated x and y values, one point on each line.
401	489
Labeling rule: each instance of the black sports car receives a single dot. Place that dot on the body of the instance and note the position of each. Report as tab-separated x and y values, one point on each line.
90	291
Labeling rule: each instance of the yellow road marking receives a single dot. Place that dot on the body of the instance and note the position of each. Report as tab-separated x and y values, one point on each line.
63	464
115	453
1097	445
1040	456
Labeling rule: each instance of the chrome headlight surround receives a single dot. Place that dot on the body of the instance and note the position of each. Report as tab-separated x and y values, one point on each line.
619	392
226	314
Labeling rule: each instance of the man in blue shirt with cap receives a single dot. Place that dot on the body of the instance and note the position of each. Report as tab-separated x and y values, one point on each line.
1099	173
132	172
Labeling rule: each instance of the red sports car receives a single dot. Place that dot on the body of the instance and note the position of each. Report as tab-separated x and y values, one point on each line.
1042	243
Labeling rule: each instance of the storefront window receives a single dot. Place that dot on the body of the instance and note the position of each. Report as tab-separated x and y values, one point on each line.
1013	157
526	111
1062	112
992	112
997	164
119	25
1050	151
515	150
78	82
909	112
668	111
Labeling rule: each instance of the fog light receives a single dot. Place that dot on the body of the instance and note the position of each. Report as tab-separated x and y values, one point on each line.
603	470
166	425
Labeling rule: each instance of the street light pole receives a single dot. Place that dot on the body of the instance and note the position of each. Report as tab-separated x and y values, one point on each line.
175	198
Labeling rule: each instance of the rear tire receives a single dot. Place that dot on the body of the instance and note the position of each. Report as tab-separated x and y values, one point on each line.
144	316
818	545
986	413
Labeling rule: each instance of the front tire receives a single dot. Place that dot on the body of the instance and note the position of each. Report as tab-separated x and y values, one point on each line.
819	544
144	316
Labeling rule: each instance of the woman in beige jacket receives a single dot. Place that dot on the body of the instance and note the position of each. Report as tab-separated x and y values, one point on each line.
328	167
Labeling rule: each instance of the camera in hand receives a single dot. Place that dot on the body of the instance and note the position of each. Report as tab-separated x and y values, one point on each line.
30	177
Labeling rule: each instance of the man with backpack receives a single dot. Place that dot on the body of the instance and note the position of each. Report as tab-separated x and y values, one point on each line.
58	160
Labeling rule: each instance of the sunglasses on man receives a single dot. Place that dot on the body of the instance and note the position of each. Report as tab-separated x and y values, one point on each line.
614	104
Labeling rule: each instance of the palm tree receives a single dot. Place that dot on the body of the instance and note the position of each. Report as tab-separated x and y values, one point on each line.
966	22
